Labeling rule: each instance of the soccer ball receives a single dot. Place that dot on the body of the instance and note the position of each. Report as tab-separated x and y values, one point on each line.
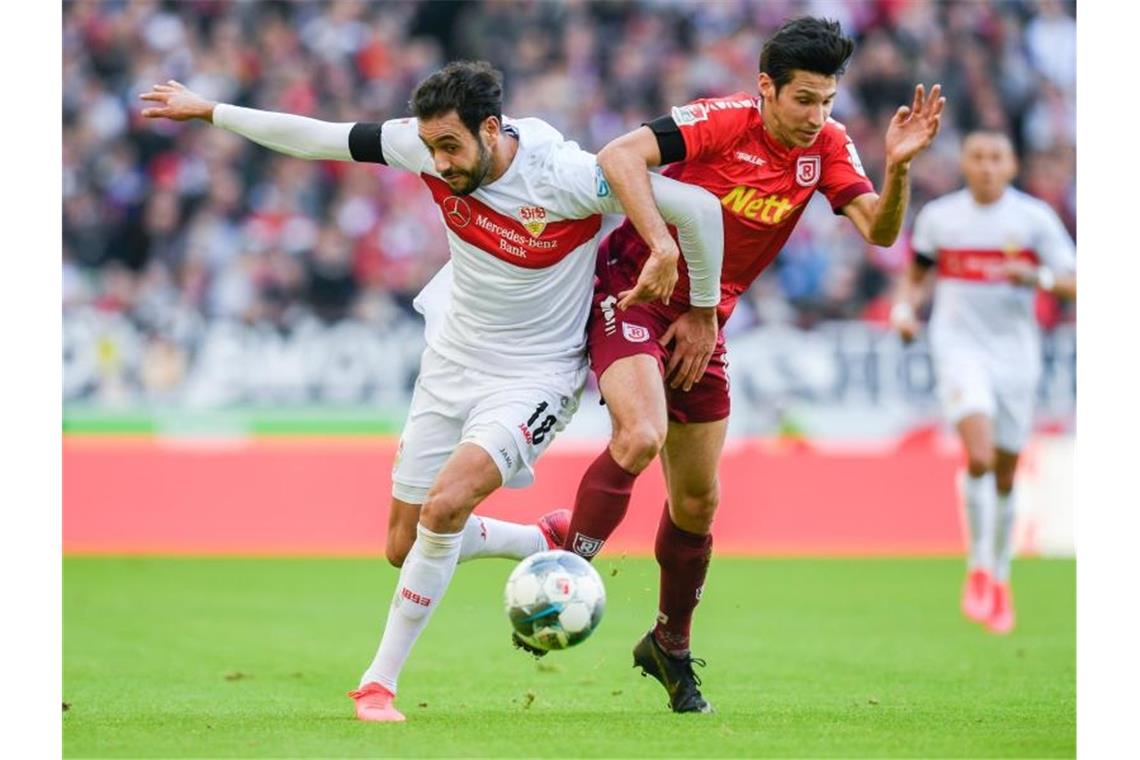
555	599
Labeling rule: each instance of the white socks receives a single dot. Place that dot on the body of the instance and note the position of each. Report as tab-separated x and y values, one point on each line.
487	537
991	526
980	497
424	577
426	573
1003	539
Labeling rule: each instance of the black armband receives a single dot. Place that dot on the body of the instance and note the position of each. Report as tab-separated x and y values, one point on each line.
924	260
364	142
669	140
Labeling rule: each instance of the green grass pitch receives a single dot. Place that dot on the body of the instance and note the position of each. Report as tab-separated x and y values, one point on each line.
252	658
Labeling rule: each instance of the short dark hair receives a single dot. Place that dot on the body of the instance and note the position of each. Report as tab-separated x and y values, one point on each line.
473	89
807	44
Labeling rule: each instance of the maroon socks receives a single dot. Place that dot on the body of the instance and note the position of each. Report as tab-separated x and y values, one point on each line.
684	561
601	503
603	498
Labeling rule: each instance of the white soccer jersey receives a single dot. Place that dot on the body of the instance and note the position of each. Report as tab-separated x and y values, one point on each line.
506	317
975	309
523	251
522	247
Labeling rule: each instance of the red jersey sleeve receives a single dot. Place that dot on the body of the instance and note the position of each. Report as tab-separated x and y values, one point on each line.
710	125
842	178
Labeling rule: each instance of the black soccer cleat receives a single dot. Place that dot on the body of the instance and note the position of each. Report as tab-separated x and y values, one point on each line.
520	644
675	674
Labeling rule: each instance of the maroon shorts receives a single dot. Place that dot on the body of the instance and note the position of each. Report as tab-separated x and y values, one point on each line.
615	334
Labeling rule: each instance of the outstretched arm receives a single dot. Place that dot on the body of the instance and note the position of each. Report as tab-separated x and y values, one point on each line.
912	129
297	136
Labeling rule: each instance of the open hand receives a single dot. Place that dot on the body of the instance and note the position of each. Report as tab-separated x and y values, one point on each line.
177	103
912	128
693	335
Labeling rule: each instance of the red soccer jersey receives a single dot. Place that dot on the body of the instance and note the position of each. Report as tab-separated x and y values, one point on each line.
763	186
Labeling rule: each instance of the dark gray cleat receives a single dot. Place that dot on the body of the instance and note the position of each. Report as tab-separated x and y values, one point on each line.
675	674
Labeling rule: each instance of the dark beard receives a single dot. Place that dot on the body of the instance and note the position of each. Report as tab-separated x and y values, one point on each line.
476	176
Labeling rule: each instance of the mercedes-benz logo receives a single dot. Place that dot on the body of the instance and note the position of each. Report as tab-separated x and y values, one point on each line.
457	211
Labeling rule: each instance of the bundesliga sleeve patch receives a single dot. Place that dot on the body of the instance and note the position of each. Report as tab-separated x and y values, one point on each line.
690	114
600	183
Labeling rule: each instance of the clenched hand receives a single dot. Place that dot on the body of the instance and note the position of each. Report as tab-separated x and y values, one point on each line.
657	279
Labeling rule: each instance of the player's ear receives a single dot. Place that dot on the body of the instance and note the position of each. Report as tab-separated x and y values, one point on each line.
766	86
490	129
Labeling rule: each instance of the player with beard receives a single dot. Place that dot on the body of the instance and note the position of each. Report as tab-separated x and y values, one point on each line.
506	357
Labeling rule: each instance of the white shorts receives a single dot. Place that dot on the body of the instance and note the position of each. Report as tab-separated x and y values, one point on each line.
513	419
968	383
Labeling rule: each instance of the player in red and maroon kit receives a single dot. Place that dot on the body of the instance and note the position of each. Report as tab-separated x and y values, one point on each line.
763	157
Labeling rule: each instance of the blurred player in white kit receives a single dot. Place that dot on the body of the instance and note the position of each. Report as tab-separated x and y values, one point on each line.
988	247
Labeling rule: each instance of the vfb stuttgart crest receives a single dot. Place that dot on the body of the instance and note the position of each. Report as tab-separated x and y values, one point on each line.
807	170
534	219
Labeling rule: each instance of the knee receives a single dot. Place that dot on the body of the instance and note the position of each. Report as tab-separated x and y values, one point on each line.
397	550
695	511
979	461
1004	481
1005	469
442	513
636	446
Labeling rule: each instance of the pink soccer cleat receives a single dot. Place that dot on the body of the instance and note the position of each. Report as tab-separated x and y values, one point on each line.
1001	618
977	595
554	526
374	702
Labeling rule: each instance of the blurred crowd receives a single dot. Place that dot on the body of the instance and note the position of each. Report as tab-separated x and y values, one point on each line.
175	225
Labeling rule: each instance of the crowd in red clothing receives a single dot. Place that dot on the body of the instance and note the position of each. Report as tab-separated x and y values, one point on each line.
173	225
